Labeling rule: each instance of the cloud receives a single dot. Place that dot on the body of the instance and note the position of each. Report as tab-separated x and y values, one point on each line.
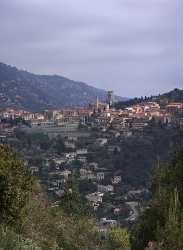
133	47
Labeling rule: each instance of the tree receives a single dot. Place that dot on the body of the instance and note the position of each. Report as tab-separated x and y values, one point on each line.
77	234
10	240
162	221
27	223
118	239
40	224
59	145
171	237
71	202
15	186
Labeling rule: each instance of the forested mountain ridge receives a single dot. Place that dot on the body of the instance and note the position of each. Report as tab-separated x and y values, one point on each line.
176	95
22	89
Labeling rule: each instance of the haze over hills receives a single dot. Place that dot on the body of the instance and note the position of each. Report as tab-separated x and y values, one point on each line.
22	89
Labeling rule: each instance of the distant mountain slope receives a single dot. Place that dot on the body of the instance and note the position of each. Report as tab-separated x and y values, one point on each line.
176	95
37	92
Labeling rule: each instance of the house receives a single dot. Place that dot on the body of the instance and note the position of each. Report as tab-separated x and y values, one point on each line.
107	222
67	124
102	121
86	174
34	170
81	151
59	161
69	144
139	124
55	204
70	155
72	138
93	165
57	183
100	176
174	106
120	123
28	116
42	124
3	138
117	210
66	173
105	189
95	197
101	141
83	173
82	159
59	193
116	179
180	123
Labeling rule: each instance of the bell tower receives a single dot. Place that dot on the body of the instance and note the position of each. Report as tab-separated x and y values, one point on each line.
110	98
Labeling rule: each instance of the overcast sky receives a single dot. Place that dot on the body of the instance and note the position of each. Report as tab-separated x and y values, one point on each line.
134	47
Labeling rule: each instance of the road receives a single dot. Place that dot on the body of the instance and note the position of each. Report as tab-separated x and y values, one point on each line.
134	211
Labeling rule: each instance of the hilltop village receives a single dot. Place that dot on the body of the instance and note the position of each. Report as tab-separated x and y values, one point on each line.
92	144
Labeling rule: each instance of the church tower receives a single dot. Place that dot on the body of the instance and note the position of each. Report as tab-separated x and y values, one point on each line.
110	98
97	103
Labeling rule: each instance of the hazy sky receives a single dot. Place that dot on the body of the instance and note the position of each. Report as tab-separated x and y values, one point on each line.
134	47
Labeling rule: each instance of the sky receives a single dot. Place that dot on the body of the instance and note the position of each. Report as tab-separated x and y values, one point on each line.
133	47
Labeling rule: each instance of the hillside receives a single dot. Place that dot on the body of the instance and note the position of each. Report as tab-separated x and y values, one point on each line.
176	95
22	89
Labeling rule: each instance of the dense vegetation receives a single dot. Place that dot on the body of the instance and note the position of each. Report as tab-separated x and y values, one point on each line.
139	153
28	223
134	160
161	223
175	95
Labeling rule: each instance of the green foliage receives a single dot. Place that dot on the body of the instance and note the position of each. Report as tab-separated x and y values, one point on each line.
59	145
138	153
40	225
162	221
9	240
171	236
175	95
118	239
15	187
71	202
29	139
124	104
77	234
26	221
52	229
146	229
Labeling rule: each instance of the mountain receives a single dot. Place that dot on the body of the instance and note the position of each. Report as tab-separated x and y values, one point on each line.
33	92
175	95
